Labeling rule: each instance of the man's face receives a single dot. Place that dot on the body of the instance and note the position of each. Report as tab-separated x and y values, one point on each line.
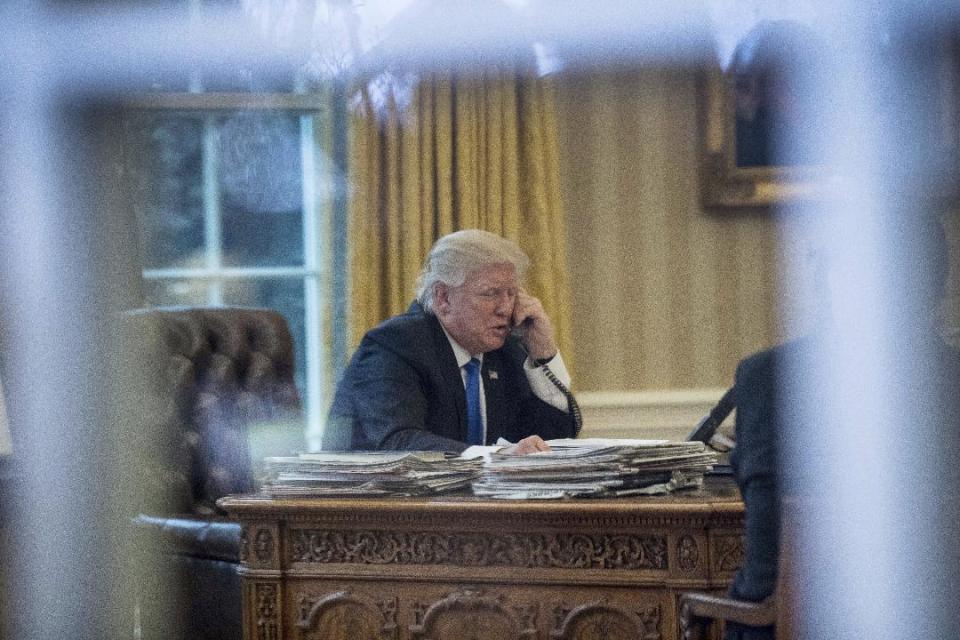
478	313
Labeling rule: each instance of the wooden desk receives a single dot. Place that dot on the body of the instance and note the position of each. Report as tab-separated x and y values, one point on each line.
462	567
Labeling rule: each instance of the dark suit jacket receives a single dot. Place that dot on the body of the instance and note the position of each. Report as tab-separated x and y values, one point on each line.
755	462
403	390
769	421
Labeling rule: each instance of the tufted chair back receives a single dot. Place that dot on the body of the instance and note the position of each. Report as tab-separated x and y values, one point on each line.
215	371
200	378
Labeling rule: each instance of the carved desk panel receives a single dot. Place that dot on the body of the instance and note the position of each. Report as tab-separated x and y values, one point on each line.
460	567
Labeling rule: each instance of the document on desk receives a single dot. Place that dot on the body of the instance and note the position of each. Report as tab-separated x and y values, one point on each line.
375	473
596	468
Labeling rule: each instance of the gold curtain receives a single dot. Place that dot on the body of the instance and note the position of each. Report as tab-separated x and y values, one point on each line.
450	152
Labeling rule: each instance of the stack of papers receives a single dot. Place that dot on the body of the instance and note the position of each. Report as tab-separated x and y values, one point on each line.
596	468
374	473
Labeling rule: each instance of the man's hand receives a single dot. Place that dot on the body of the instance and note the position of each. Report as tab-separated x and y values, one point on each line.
536	329
530	444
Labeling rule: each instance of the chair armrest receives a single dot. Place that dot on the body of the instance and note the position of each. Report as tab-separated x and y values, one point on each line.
209	538
698	609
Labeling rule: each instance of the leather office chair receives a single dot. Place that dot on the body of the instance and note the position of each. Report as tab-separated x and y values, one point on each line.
206	376
699	611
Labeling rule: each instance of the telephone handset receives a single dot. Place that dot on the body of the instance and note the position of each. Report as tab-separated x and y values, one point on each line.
520	330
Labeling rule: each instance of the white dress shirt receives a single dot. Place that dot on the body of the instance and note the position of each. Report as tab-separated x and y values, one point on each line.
539	383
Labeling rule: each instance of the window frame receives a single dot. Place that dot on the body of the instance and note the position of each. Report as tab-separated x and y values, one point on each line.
323	273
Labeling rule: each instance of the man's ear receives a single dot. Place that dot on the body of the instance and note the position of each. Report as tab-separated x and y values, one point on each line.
441	298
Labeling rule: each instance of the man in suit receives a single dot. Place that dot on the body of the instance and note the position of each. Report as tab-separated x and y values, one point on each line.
408	386
776	388
756	463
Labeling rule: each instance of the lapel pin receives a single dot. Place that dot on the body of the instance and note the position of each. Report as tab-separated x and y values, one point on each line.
493	375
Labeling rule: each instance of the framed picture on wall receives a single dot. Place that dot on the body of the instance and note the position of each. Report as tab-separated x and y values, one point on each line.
747	110
760	112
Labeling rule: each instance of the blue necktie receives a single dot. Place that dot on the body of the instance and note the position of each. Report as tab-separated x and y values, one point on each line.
474	419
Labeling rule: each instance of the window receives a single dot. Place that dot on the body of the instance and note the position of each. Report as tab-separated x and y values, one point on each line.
241	206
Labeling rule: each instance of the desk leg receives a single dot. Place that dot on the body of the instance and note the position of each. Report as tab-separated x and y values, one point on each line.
262	609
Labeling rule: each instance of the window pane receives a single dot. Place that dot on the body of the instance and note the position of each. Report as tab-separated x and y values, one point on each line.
161	293
262	190
281	294
166	182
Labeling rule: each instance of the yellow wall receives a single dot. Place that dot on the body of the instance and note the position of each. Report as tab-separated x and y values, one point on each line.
666	295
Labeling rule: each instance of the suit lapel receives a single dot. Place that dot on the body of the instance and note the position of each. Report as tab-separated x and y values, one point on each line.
450	380
492	375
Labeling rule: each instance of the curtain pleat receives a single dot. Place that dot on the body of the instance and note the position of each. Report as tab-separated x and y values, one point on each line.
453	152
510	145
442	170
